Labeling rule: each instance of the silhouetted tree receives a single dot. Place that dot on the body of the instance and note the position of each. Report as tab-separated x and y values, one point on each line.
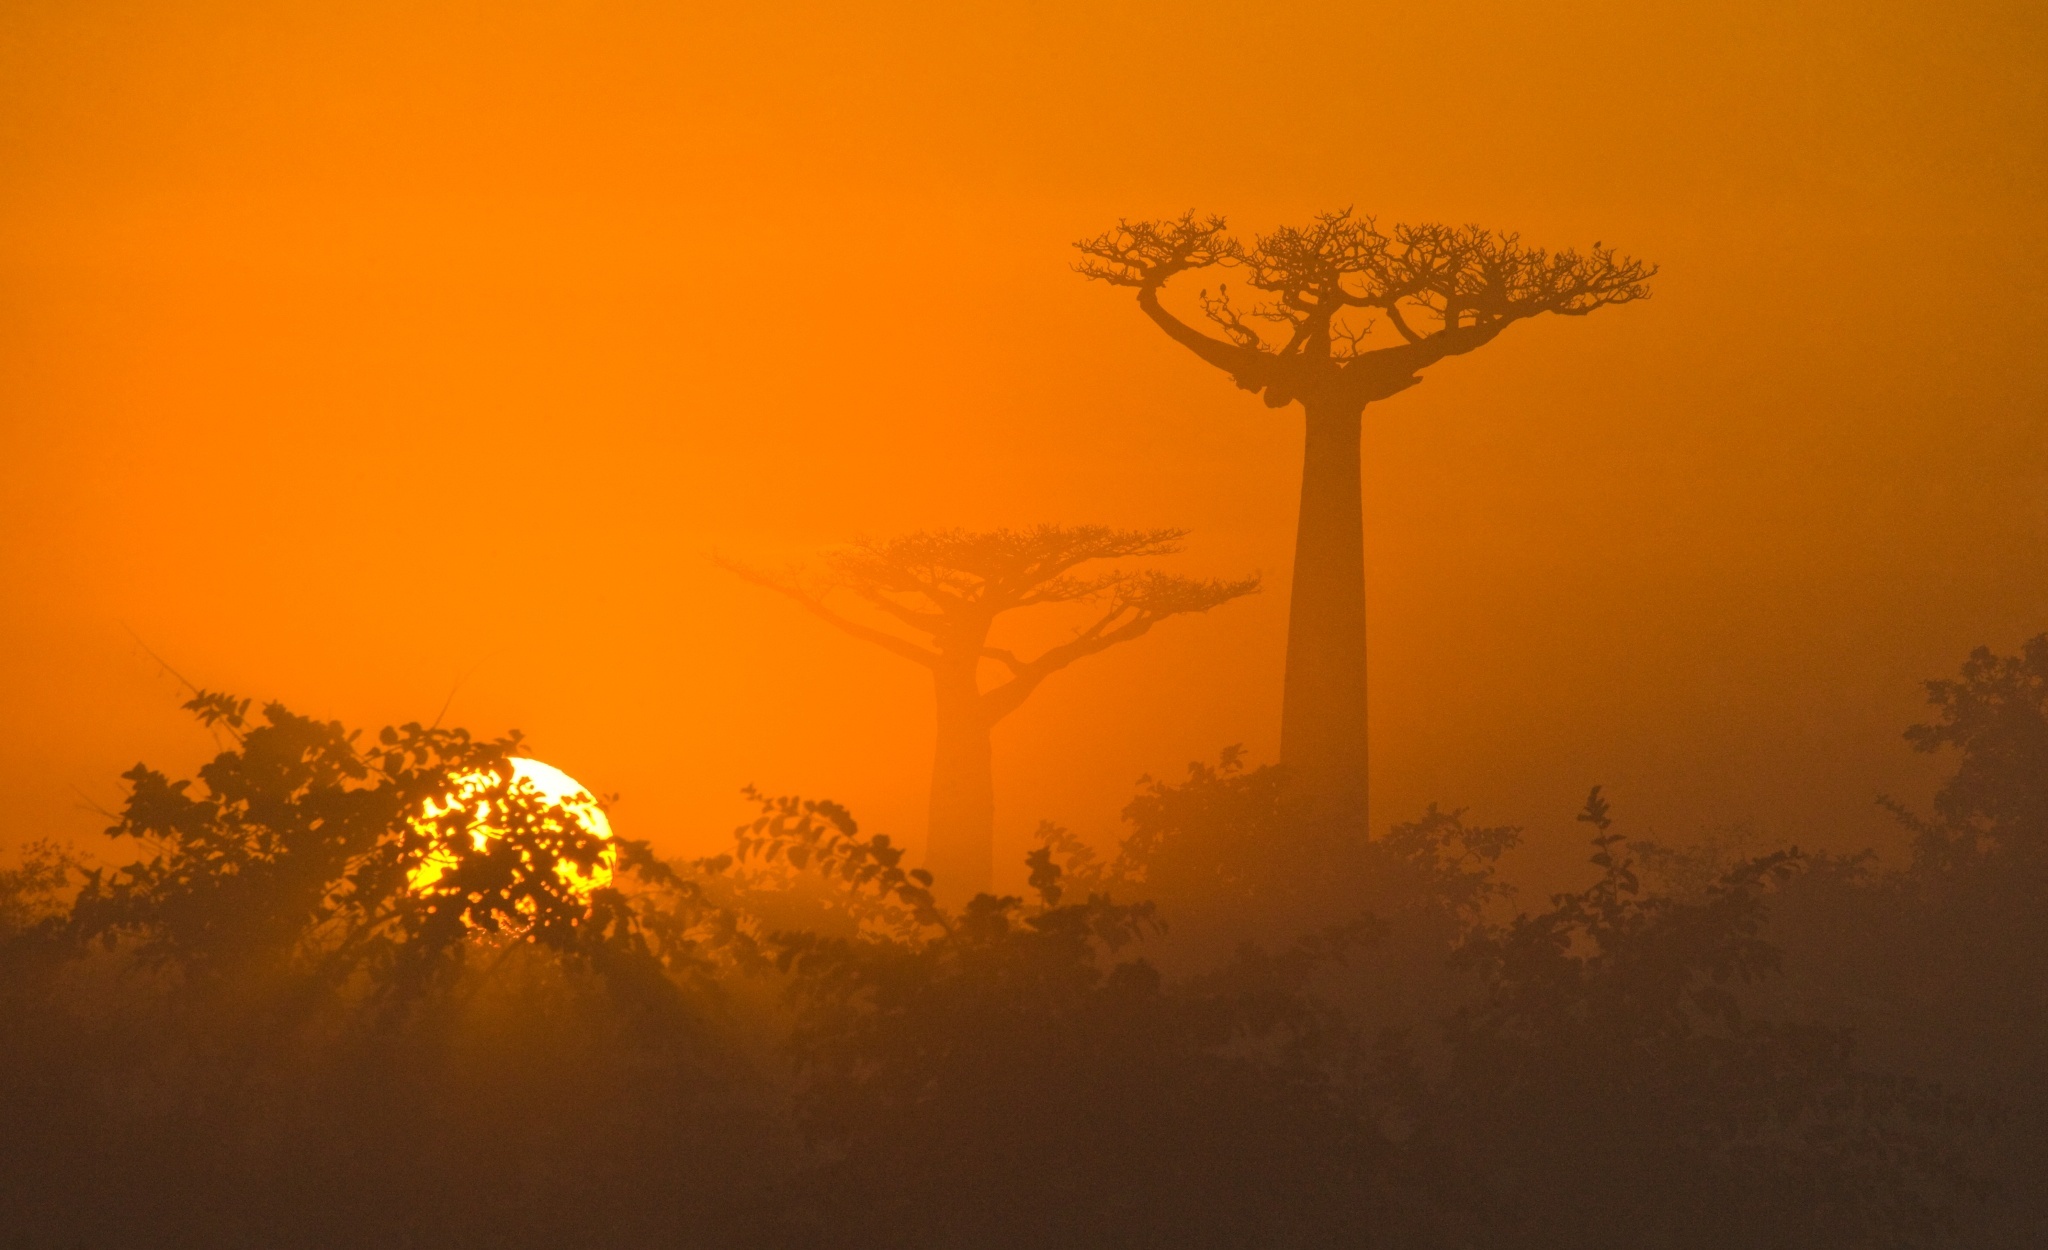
1937	964
1444	290
946	590
263	1031
1994	810
299	843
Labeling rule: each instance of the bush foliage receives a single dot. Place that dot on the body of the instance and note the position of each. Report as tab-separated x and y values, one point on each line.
1239	1029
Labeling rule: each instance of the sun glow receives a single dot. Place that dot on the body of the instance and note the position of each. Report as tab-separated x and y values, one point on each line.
554	788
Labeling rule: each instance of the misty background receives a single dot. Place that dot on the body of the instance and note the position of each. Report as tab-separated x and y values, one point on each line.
351	356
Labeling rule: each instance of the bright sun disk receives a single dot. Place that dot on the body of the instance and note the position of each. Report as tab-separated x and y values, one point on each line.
554	787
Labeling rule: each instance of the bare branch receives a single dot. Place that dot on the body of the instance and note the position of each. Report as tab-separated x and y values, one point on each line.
957	571
1141	602
1147	253
924	620
1247	366
1393	311
1335	261
1462	285
1347	343
1453	271
1219	310
814	603
1005	657
1069	587
970	578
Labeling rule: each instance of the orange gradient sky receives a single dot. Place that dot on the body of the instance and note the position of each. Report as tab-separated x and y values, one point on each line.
348	352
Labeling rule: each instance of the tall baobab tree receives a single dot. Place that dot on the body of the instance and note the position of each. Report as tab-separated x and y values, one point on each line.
935	598
1443	291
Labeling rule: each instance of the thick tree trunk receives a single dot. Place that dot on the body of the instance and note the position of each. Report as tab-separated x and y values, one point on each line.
1322	718
961	851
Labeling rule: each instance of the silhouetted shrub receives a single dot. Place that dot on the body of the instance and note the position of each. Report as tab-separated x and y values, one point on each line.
1609	1089
260	1033
1243	1029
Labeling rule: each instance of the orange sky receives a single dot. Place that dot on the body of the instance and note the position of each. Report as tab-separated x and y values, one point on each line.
344	353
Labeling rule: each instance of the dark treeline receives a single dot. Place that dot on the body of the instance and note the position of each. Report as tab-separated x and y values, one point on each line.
1241	1028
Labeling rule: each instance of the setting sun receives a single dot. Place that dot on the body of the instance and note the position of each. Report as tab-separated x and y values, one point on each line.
554	788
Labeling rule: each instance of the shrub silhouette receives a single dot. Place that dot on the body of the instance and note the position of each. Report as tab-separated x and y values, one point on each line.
1235	1031
256	1034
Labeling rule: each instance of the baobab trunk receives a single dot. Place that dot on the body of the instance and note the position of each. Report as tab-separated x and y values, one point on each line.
960	853
1322	716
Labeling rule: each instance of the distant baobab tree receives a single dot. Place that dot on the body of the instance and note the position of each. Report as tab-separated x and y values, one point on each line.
940	594
1444	290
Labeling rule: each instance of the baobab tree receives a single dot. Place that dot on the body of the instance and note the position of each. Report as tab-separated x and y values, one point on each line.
1443	291
936	597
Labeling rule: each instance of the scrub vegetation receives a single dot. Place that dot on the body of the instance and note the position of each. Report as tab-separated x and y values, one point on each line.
1237	1027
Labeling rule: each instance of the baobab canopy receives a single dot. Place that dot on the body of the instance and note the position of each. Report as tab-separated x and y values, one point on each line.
937	595
1442	290
1324	288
